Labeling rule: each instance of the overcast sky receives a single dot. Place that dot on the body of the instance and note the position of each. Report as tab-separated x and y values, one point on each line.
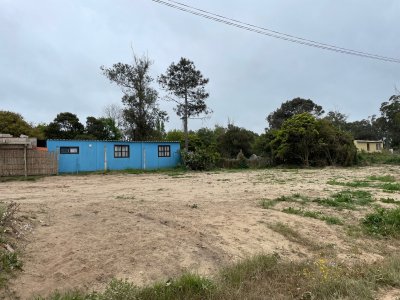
51	53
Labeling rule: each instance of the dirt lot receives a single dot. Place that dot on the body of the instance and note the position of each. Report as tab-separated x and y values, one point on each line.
90	229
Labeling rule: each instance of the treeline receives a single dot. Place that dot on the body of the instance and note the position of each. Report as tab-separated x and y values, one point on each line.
298	132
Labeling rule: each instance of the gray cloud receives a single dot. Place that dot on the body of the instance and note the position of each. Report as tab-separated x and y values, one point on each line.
51	51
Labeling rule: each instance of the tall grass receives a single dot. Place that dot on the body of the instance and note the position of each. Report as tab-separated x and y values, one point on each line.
263	277
9	258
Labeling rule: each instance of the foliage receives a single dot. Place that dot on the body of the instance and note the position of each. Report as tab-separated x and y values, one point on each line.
66	125
383	222
116	113
291	108
378	158
390	112
295	142
235	140
200	159
102	129
337	119
366	129
304	140
179	136
334	147
186	85
141	113
14	124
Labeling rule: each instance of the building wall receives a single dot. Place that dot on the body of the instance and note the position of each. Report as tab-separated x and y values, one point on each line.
369	146
91	156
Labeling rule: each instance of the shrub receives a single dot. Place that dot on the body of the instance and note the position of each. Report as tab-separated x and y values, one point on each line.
199	160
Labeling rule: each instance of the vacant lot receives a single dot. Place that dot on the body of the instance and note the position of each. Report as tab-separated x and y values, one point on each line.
147	227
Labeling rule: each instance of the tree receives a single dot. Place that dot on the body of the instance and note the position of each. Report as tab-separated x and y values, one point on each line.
293	107
141	112
295	141
305	140
187	86
235	140
116	113
65	126
335	146
366	129
337	119
262	144
101	129
390	112
14	124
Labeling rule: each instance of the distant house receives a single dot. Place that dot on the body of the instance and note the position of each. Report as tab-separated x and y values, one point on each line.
93	155
369	146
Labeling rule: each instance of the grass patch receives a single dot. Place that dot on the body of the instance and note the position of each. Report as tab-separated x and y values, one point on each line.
293	198
293	236
347	199
263	277
392	187
266	203
356	183
313	214
389	201
384	178
383	222
386	182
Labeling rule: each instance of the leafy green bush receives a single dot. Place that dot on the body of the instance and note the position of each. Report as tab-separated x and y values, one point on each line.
200	159
383	222
304	140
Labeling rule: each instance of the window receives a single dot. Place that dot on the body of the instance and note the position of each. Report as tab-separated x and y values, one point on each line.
121	151
378	146
367	146
164	151
69	150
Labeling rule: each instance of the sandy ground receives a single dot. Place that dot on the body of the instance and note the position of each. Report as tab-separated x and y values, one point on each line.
90	229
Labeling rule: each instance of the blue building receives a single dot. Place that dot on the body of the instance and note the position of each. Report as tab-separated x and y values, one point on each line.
87	155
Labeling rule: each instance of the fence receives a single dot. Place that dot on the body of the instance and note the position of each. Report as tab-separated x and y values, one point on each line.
19	161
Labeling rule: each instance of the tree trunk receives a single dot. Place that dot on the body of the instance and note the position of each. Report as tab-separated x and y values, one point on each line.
185	124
